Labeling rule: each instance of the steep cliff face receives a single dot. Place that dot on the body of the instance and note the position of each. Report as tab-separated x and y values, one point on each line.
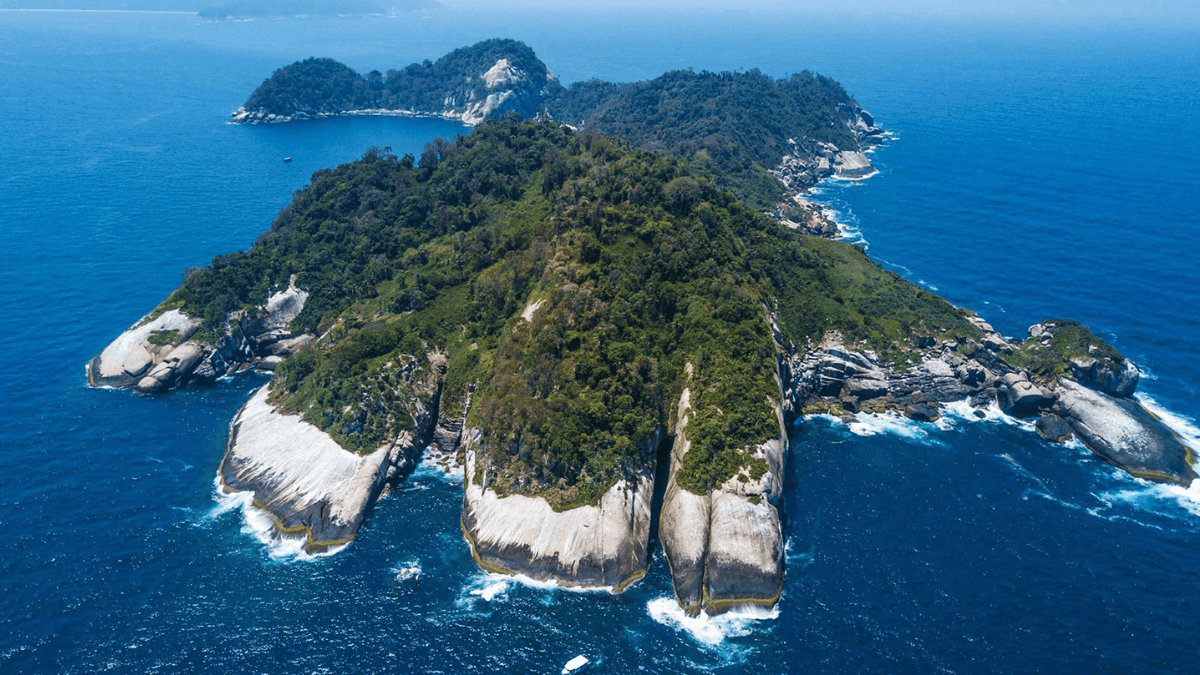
601	545
309	484
725	547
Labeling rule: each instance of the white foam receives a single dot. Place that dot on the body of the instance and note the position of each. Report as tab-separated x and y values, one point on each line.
962	411
260	525
409	570
709	630
875	424
439	465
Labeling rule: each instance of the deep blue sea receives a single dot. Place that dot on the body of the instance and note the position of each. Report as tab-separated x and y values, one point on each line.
1039	171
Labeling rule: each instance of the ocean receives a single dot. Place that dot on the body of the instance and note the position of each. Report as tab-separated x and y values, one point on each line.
1038	170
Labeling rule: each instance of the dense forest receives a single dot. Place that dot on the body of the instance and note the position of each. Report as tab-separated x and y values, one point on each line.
319	85
738	124
628	265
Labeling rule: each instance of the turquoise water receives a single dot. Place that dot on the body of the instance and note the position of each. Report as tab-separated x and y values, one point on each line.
1038	171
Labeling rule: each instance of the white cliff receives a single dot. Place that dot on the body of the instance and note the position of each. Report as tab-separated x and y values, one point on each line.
300	475
602	545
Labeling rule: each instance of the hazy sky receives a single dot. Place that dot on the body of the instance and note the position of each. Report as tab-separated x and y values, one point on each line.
1156	11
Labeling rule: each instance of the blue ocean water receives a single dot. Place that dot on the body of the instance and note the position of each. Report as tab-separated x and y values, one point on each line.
1039	171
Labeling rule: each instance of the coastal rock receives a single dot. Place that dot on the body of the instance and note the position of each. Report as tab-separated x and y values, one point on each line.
852	165
1019	397
725	548
132	356
177	364
1100	375
921	412
602	545
309	484
1123	433
1053	428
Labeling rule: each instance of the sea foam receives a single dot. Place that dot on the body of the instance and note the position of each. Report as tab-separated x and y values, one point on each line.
710	631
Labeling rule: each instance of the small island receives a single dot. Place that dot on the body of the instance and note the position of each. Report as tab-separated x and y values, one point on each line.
615	297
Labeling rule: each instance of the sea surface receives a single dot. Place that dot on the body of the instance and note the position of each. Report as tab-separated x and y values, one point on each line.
1038	171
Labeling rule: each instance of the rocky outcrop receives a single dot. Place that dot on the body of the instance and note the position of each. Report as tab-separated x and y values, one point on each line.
156	354
808	162
147	352
1124	433
603	545
831	377
309	484
1100	375
725	548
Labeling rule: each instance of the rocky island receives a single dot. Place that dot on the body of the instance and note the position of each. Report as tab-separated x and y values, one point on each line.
582	318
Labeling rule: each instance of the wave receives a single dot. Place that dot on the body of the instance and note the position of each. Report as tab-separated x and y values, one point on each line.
709	631
261	526
876	424
439	465
409	570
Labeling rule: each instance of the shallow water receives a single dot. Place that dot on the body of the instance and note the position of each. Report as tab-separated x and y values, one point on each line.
1038	172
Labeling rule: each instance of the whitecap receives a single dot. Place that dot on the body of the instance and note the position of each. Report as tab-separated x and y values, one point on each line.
261	526
962	411
439	465
875	424
710	631
409	570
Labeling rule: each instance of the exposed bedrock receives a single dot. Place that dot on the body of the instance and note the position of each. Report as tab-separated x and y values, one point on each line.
140	349
725	548
1124	433
156	355
309	484
601	545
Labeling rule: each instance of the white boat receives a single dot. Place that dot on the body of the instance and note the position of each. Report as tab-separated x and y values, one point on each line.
576	665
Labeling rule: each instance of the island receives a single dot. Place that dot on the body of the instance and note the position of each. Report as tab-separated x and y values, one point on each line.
582	314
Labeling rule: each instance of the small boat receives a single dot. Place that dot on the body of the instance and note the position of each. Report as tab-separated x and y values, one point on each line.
287	159
576	665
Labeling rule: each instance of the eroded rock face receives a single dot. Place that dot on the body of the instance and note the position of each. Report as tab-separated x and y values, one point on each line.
1120	382
134	360
1122	432
311	485
725	548
132	356
604	545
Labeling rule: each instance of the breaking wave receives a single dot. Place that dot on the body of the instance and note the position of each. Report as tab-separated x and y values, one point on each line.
709	631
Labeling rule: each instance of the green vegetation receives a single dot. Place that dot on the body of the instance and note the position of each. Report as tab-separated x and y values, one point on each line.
637	263
735	125
322	85
1047	362
163	337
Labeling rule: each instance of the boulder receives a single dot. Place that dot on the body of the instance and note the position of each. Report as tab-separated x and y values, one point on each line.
1053	428
921	412
1119	381
1125	434
132	356
176	366
1019	397
852	164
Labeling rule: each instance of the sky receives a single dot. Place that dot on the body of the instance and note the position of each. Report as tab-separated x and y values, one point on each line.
1152	11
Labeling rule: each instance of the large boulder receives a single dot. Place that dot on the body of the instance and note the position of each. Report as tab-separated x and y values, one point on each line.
1125	434
1019	397
135	353
1115	380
